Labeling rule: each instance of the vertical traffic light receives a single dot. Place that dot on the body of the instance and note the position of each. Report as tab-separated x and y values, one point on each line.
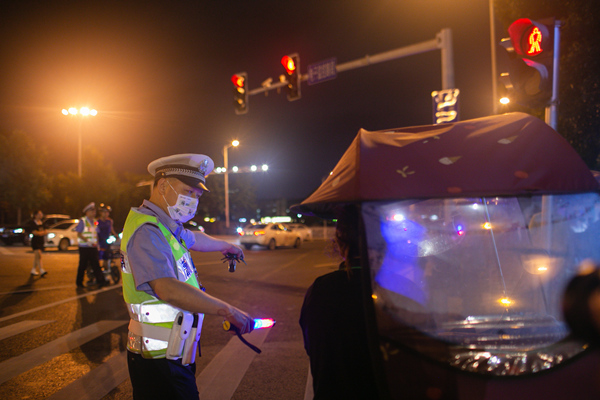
240	92
530	50
291	63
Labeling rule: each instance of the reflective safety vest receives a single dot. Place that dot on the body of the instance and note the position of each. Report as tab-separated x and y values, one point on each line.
151	318
89	232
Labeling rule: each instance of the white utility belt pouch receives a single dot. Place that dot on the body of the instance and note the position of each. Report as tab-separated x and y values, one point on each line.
182	338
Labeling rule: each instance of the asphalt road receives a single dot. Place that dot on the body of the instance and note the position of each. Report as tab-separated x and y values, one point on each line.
60	343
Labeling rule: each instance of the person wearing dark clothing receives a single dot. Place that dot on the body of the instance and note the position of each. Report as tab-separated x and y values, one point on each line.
88	246
38	230
334	327
105	229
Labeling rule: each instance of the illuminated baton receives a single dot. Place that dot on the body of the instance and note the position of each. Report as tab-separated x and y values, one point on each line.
258	324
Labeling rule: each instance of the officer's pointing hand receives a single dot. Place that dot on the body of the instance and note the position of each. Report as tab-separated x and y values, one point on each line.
241	320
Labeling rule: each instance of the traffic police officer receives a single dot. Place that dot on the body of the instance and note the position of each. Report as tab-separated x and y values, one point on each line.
87	238
160	285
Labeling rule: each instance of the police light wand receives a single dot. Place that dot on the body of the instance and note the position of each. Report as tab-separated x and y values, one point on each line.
259	323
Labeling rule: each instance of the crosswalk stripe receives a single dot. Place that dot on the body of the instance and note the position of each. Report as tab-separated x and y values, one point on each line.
98	382
309	392
36	289
20	327
17	365
221	377
57	303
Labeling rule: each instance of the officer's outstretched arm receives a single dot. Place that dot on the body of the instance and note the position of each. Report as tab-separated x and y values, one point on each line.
189	298
205	243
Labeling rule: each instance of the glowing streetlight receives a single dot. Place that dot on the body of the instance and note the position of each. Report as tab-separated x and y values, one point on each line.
234	143
84	112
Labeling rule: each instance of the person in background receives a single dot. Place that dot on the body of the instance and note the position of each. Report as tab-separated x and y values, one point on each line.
105	229
88	246
38	230
333	322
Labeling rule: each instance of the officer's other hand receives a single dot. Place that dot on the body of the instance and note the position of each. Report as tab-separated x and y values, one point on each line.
233	249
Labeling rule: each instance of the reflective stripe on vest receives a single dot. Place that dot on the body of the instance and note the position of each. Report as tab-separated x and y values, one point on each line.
146	308
89	232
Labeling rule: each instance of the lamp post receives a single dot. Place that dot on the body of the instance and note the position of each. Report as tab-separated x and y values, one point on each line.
234	143
84	112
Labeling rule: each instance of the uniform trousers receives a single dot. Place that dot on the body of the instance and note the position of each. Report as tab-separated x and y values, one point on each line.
89	255
161	378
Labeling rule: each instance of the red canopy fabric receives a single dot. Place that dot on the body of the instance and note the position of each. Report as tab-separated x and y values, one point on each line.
501	155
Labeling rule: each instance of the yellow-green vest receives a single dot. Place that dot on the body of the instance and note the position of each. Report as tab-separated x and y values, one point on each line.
146	308
89	232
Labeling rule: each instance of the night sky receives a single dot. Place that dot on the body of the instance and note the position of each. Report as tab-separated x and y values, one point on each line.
158	72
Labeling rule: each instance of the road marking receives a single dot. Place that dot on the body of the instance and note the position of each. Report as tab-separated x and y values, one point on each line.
57	303
37	289
309	392
6	252
326	265
98	382
23	363
20	327
221	377
273	271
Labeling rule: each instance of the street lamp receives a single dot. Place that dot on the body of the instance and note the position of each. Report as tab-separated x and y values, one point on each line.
84	112
234	143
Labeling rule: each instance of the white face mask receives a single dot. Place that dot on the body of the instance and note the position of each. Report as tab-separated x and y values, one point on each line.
184	209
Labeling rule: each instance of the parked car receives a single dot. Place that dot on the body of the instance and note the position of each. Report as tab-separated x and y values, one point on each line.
52	219
304	231
11	234
62	235
271	235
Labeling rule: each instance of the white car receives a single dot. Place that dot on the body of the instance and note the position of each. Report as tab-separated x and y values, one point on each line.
62	235
304	231
270	235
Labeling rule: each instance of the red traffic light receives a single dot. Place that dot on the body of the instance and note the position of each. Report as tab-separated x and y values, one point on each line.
529	38
238	80
289	64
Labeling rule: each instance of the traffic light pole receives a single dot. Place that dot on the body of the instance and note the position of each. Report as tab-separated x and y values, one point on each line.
551	115
442	41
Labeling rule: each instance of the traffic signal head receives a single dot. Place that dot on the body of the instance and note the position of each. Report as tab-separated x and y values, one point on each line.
291	63
240	92
530	38
530	49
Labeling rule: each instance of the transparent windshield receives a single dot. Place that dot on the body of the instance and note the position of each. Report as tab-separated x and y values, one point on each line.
483	275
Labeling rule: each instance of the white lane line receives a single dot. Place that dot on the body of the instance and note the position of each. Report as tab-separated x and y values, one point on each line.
98	382
309	392
17	365
37	289
57	303
326	265
5	252
284	266
221	377
20	327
